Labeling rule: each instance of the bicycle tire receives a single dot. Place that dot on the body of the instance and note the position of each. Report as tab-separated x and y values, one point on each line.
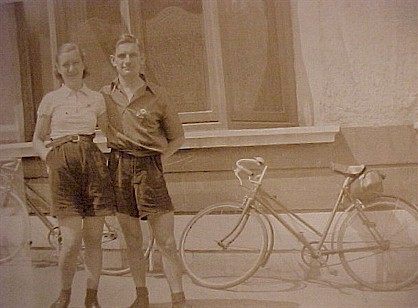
395	199
212	266
115	259
392	267
14	227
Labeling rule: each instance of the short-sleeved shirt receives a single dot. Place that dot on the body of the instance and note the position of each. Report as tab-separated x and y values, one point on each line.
144	125
72	112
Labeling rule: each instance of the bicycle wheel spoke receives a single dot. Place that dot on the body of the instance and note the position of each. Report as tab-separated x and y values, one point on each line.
391	229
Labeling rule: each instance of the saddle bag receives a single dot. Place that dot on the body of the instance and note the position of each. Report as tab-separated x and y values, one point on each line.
368	186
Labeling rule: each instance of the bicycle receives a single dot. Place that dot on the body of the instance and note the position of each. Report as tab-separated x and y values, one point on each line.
14	225
224	245
115	262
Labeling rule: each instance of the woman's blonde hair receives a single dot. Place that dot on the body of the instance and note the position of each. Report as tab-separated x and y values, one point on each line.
66	48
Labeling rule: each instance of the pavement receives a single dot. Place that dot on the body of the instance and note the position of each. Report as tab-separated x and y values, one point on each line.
31	280
26	283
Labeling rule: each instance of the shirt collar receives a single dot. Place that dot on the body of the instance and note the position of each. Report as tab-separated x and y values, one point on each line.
67	92
115	84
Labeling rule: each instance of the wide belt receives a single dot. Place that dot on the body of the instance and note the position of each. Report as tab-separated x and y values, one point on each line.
69	138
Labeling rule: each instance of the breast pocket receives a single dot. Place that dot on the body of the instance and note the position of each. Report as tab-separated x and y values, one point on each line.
150	121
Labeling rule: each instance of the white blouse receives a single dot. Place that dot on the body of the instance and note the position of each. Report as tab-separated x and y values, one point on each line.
72	112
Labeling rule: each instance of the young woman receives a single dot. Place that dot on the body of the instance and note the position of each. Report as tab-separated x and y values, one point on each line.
82	192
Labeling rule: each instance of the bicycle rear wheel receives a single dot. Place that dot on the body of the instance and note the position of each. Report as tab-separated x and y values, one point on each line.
391	265
214	263
115	258
14	227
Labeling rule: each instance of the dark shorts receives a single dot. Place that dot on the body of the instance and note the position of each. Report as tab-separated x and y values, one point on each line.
139	184
79	180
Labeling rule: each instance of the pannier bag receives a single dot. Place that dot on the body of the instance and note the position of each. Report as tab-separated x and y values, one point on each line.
368	186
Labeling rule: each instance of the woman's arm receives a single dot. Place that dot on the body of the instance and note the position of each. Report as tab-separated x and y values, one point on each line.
42	129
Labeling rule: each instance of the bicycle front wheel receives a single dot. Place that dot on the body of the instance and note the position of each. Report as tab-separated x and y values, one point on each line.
220	248
14	227
115	256
379	245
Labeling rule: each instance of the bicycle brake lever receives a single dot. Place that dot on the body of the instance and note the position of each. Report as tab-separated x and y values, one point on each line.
259	160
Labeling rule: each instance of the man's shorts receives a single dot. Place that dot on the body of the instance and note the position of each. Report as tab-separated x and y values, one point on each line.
79	180
139	184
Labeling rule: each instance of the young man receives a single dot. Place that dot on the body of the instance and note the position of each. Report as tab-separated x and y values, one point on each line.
143	130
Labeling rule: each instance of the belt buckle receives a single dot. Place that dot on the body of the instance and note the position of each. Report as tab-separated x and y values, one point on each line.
76	140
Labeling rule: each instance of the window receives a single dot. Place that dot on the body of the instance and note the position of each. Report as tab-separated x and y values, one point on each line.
253	39
227	64
173	34
94	25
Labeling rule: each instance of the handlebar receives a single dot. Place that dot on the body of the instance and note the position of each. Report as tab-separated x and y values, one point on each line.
10	165
257	161
8	170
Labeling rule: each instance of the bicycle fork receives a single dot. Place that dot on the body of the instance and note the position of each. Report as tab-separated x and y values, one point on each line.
236	231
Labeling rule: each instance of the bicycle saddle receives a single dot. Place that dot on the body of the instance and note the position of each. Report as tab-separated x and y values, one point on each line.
351	171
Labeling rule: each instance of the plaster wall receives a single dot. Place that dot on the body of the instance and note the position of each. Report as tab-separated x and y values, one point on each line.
356	61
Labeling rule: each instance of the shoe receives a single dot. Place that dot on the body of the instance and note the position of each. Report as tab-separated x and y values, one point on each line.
63	300
141	300
91	300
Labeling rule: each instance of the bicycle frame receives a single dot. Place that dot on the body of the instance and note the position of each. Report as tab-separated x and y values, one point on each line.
53	230
369	236
109	234
271	205
36	210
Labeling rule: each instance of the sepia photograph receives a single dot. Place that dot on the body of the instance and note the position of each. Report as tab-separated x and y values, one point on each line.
209	153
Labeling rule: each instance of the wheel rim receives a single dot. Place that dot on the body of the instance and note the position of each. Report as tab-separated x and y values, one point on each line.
210	265
395	264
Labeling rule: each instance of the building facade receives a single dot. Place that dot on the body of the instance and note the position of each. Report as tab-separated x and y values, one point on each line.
300	83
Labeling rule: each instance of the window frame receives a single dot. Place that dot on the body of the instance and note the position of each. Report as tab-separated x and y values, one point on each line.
219	115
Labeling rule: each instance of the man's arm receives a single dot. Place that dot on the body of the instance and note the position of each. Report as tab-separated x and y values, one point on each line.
102	123
172	147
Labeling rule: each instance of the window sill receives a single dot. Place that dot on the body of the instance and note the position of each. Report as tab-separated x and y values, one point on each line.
259	137
215	139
